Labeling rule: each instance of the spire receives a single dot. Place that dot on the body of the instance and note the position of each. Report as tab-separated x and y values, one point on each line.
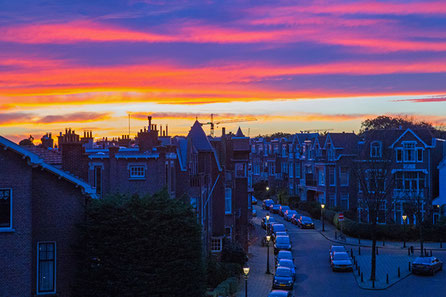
239	133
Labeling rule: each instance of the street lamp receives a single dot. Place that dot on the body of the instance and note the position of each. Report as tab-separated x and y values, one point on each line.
267	222
246	272
267	188
268	238
404	230
322	216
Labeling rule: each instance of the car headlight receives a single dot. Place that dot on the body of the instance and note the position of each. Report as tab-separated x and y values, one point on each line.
290	282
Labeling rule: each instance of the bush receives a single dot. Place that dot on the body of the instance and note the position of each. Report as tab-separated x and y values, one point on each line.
312	207
233	253
219	271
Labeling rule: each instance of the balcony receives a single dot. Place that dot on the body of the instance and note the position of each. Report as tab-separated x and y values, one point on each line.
408	194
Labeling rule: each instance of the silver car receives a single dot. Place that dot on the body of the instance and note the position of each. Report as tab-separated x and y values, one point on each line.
341	261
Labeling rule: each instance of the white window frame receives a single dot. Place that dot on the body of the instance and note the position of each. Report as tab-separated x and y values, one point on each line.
376	149
407	149
38	291
216	244
9	228
340	177
291	170
135	165
228	197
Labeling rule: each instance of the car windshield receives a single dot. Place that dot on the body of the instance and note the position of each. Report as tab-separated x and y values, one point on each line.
283	272
292	212
285	255
423	260
337	249
286	263
341	256
285	208
307	220
283	240
278	227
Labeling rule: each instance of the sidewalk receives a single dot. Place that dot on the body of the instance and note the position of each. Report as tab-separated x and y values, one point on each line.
259	283
333	234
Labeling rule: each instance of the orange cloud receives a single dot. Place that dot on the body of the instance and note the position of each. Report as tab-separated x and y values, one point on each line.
21	118
440	98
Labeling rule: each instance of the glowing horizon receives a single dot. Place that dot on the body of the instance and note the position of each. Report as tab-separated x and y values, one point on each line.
292	65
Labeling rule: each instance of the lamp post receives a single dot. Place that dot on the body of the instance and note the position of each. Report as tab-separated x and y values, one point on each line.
267	223
404	230
322	216
268	238
246	272
267	192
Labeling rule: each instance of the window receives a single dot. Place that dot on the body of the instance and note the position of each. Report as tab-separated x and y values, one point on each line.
344	201
46	267
216	245
410	181
419	155
409	151
343	176
240	170
228	232
271	168
137	171
297	170
332	199
6	208
321	176
291	170
253	148
399	155
375	149
98	180
332	176
228	200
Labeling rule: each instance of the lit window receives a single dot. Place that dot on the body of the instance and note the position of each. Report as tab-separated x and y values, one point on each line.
228	200
137	171
5	208
46	267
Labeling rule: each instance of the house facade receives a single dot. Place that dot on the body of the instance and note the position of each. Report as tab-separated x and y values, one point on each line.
40	206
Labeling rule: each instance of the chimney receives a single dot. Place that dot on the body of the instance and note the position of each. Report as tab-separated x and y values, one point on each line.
150	122
223	131
167	127
161	130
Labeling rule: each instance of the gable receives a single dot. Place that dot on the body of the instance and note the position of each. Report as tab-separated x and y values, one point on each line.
409	136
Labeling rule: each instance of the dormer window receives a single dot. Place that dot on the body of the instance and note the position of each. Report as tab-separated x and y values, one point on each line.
376	149
409	151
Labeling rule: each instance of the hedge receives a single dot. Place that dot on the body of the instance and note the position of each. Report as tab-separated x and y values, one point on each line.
226	288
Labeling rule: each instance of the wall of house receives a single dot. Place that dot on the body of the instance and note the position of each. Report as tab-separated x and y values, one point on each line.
16	249
56	209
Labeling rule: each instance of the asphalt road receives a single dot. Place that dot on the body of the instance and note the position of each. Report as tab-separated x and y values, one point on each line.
315	278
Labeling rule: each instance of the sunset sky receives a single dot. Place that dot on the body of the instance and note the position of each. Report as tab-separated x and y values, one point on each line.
292	65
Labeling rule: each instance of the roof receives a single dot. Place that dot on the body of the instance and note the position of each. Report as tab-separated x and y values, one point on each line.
199	139
239	133
49	156
34	160
424	135
347	141
301	137
182	152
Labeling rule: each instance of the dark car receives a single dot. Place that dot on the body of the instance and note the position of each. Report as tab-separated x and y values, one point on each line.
280	293
335	249
282	243
428	265
289	214
253	200
305	223
267	203
265	223
341	261
289	264
275	208
284	255
276	228
283	278
283	209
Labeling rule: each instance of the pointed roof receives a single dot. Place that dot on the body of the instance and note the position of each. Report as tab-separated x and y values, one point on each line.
239	133
36	161
199	138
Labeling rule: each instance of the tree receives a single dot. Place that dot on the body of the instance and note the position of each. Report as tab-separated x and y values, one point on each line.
375	178
27	141
139	246
388	122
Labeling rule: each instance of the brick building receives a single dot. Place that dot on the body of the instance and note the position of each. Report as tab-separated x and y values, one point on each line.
39	208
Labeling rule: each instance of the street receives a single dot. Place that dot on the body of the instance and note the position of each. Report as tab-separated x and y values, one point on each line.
315	278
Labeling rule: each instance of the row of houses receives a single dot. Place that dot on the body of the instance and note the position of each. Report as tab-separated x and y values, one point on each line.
329	168
44	190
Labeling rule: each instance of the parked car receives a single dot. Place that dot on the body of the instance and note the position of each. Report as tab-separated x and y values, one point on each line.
283	278
277	228
289	214
335	249
428	265
282	210
281	233
254	212
264	222
267	203
284	255
253	200
305	222
341	261
275	208
282	243
280	293
289	264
